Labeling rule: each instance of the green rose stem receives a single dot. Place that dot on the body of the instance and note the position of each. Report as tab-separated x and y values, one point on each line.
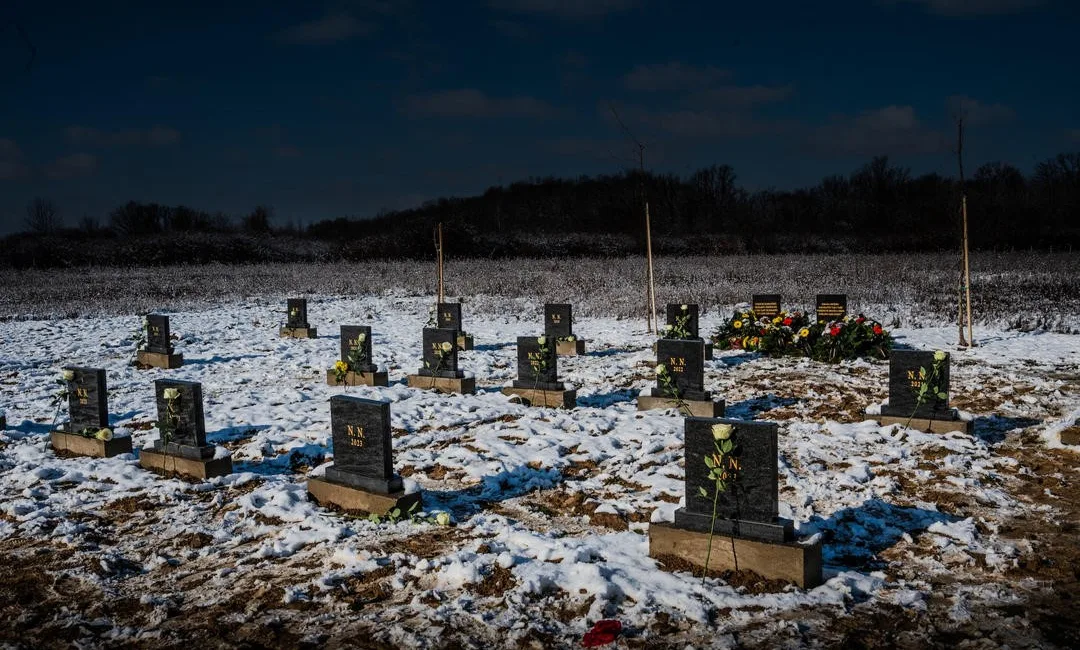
673	390
541	363
724	449
927	387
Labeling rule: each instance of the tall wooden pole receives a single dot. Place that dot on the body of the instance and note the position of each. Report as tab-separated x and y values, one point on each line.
963	305
439	252
651	316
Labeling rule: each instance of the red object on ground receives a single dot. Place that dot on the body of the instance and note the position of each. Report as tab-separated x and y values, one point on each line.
603	633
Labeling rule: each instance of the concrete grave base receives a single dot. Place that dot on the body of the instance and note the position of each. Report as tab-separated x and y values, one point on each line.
566	399
160	359
169	464
72	443
354	499
464	342
298	333
463	385
357	379
793	562
697	408
574	348
926	425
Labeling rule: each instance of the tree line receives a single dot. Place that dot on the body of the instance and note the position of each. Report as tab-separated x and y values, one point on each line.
879	207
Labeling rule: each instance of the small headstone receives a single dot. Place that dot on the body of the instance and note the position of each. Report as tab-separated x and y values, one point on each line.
688	317
363	453
908	369
684	362
449	316
88	403
357	339
183	431
766	305
297	314
440	353
558	320
537	364
749	506
831	307
158	339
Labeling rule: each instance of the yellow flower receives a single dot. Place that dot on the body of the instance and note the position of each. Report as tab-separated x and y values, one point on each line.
171	393
104	434
541	340
661	369
737	324
443	518
68	375
341	366
722	431
804	332
777	320
939	355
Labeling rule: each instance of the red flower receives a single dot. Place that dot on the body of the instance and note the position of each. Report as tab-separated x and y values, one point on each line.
787	321
603	633
763	330
860	320
877	330
835	331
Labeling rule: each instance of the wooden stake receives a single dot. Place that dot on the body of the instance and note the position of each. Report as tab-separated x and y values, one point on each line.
965	270
649	275
439	257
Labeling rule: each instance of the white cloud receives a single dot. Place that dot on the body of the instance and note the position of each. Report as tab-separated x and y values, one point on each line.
887	130
977	113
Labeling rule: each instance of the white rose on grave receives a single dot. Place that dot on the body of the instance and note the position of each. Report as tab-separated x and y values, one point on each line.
171	393
722	431
446	346
361	337
684	307
939	355
571	339
541	340
443	518
68	375
661	369
104	434
667	328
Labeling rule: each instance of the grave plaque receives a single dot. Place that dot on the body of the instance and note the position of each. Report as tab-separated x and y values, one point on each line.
688	317
908	369
449	316
537	364
158	339
297	314
183	431
748	508
831	307
363	453
558	320
440	353
88	404
356	341
766	305
684	361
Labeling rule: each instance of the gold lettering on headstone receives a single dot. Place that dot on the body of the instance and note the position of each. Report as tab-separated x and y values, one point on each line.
355	434
535	359
915	378
447	316
766	308
677	364
555	318
830	310
83	395
354	344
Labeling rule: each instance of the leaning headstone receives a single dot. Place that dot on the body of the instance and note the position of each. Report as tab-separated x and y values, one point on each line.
538	375
831	307
362	476
680	380
355	367
448	316
748	533
87	432
765	305
909	371
296	321
682	323
559	327
158	352
440	364
181	447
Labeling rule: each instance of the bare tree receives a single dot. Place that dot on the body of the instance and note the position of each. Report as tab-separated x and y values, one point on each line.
42	216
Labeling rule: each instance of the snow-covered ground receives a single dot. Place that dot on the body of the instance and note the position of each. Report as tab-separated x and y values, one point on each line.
550	508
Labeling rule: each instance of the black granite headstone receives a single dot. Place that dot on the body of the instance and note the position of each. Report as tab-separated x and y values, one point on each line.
537	364
363	453
765	305
749	506
831	307
157	334
684	361
676	313
297	314
440	353
183	431
908	369
558	320
449	316
88	402
351	336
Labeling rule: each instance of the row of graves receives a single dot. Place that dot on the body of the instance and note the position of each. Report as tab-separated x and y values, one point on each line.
731	466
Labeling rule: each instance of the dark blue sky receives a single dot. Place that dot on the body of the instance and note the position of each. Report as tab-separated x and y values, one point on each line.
346	108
